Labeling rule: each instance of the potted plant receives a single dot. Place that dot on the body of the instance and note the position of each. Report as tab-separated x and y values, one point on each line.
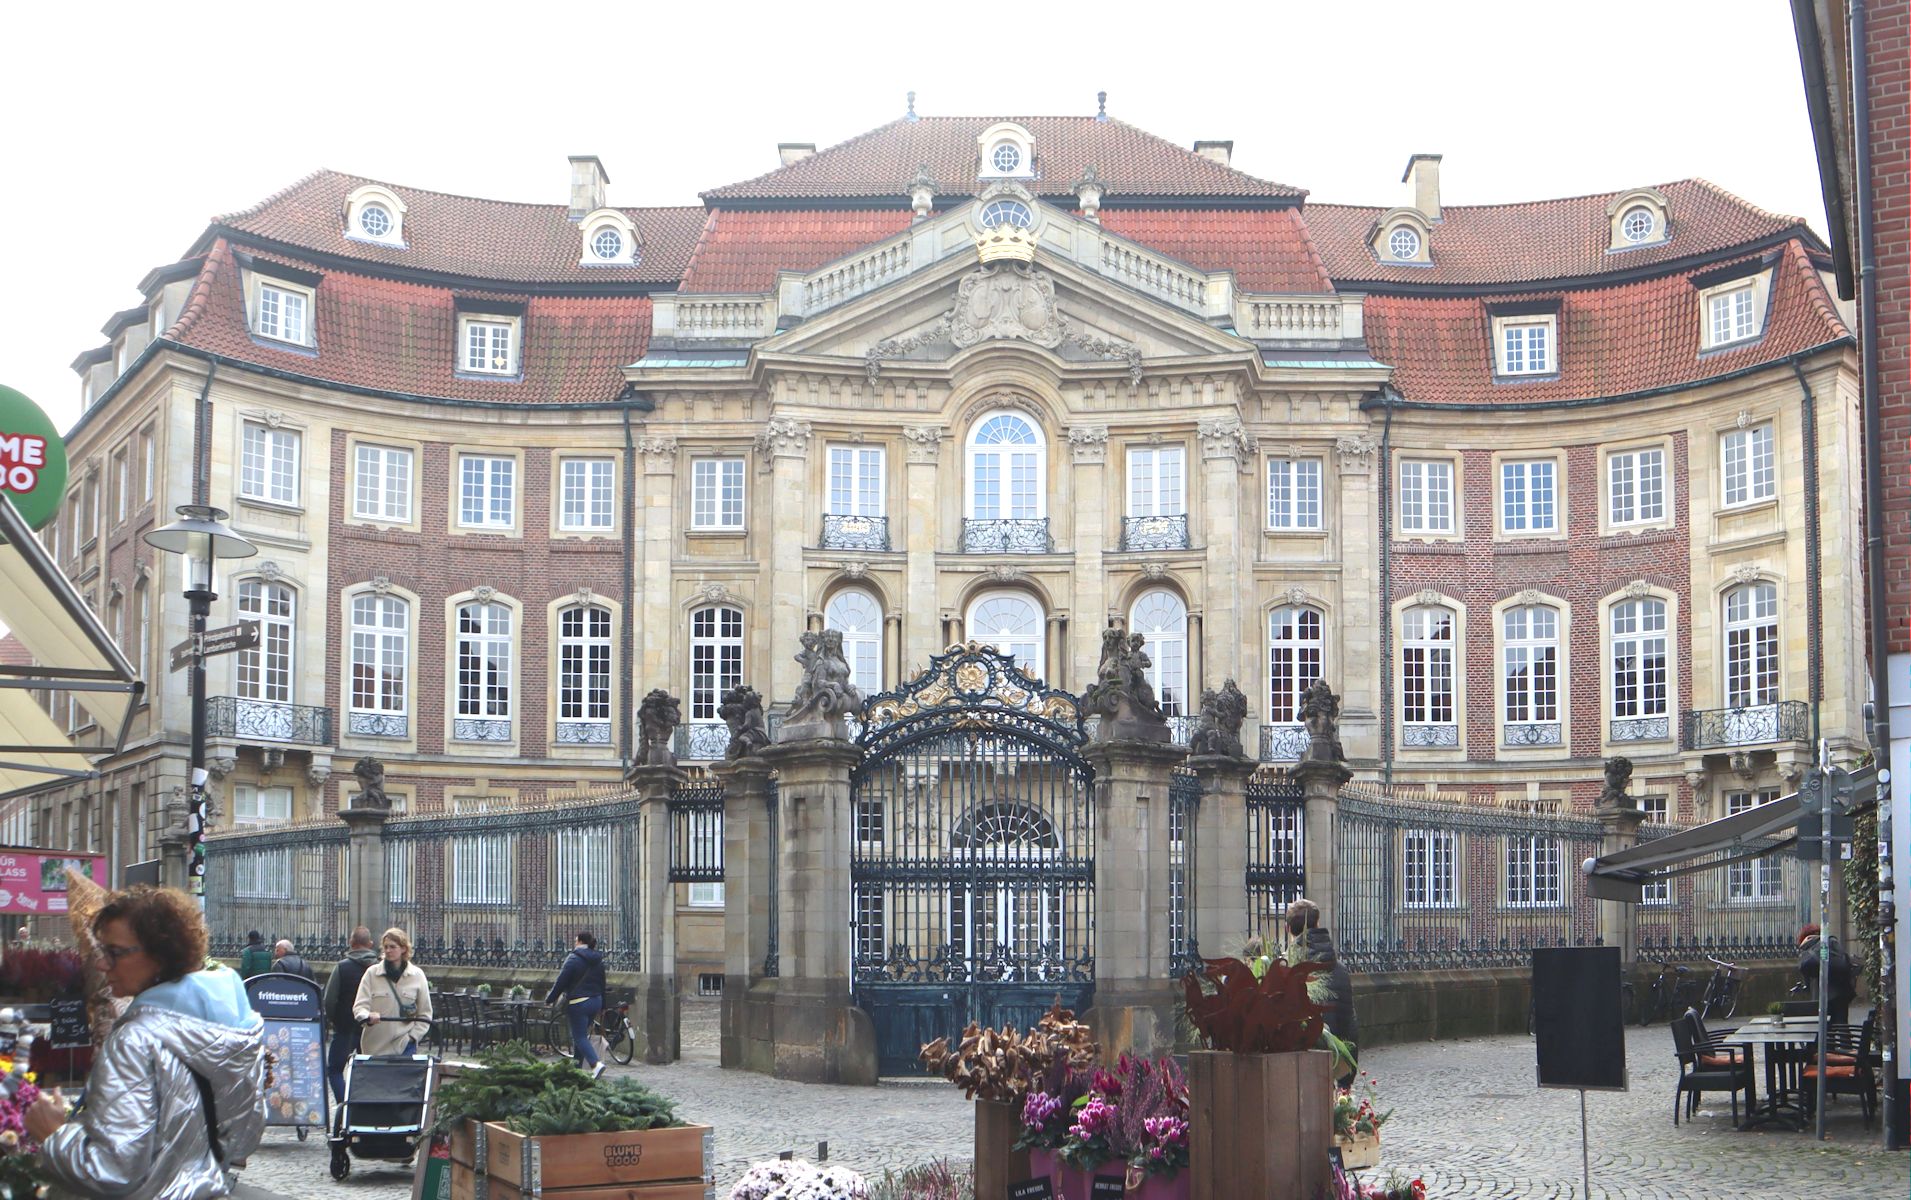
1261	1093
484	990
1357	1122
20	1174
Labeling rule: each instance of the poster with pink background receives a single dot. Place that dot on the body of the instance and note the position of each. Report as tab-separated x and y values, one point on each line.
33	882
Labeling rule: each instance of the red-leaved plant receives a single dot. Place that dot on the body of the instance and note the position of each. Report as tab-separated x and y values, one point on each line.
1237	1012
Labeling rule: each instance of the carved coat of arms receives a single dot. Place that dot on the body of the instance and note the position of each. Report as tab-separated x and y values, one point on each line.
1007	301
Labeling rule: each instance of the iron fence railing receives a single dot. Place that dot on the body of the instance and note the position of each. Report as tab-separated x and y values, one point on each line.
1184	809
696	832
1017	536
267	721
1742	907
1276	856
702	741
1155	533
1753	725
844	532
1283	743
287	882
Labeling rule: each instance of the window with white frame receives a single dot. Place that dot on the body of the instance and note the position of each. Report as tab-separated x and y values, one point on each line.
1530	665
116	622
855	614
261	805
716	493
1639	673
1161	618
1731	315
1747	464
381	654
1656	811
1156	482
1526	347
149	464
1752	880
869	918
381	483
262	874
1635	486
1007	470
1426	495
1426	666
583	866
1404	242
856	481
1431	868
706	846
487	491
583	665
481	870
716	658
265	671
586	494
1535	876
398	872
487	345
269	464
1294	656
1529	496
484	661
122	486
1012	623
1293	493
284	312
1751	645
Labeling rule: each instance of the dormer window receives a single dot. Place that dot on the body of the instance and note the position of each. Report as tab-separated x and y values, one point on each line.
1732	303
607	243
374	213
610	239
1005	158
1636	218
1401	238
282	312
1525	345
1403	243
488	344
1006	212
374	221
1637	225
1005	150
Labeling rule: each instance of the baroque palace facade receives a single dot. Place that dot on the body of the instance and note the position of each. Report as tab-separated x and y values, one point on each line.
1531	484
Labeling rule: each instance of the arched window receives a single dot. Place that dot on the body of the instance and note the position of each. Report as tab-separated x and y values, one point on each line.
1529	675
484	673
381	665
1426	668
1751	646
1639	675
265	672
583	675
1160	617
1012	623
716	658
856	615
1294	658
1007	469
1011	930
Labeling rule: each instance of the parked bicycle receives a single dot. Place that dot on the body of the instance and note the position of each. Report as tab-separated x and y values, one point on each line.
612	1024
1672	991
1722	990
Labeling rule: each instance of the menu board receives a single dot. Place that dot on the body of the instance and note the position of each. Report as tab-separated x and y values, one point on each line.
297	1095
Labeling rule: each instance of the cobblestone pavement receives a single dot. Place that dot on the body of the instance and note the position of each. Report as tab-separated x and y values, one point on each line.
1468	1120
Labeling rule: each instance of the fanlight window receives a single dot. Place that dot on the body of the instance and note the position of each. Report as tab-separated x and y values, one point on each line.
1012	623
1162	619
1004	825
1009	212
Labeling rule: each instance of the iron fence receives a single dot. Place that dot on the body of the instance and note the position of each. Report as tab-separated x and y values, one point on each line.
1276	856
696	832
1155	533
1184	809
1737	907
290	882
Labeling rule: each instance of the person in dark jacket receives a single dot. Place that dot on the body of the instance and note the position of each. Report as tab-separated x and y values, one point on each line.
581	984
341	991
285	962
256	958
1844	985
1316	945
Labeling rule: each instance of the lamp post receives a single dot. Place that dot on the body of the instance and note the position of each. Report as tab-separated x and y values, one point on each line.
200	538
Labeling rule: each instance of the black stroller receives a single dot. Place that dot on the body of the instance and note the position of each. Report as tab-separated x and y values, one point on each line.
383	1116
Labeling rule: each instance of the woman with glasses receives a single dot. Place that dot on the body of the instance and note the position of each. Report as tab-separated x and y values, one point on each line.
174	1097
394	999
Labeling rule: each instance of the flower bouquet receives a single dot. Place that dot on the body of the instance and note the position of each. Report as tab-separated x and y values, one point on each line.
1357	1122
20	1175
796	1179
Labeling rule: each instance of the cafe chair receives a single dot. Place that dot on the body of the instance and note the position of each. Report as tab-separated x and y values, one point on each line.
1728	1073
1848	1070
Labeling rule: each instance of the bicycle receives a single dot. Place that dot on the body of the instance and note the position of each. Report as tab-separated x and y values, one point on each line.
612	1024
1722	990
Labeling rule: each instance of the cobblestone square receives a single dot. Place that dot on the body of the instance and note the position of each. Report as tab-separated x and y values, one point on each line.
1467	1119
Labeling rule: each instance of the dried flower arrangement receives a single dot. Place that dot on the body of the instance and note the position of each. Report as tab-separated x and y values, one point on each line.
1002	1065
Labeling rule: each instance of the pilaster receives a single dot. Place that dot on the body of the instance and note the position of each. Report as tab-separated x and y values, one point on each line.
1225	448
1361	610
657	913
1320	793
922	635
655	614
369	898
787	442
1088	446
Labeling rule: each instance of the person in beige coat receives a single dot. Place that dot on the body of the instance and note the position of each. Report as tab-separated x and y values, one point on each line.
394	999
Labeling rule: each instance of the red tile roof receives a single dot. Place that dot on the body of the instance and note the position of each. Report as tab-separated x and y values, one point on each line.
402	337
742	250
1612	341
1130	161
1269	250
1541	240
460	235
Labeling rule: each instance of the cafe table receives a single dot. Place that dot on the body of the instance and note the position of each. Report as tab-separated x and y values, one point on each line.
1779	1035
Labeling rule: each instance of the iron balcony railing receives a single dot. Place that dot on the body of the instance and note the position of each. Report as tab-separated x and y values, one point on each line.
844	532
267	721
1155	533
1638	729
377	724
1283	743
702	741
1009	536
1180	728
1752	725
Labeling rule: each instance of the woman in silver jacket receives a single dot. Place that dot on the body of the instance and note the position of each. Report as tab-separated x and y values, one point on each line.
145	1132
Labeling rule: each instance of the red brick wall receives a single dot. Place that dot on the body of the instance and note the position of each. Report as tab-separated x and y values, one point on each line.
1889	52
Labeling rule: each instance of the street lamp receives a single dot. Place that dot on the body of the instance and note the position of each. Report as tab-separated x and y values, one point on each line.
199	536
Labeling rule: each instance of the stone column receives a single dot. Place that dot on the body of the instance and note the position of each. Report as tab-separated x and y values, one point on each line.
1361	604
921	527
787	442
1088	445
1134	989
1197	663
175	842
1219	900
1320	791
1225	445
1616	927
1055	633
654	613
657	999
747	901
369	900
816	1032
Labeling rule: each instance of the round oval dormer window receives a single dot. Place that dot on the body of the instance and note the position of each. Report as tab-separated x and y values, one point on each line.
1006	212
607	243
1006	157
1403	243
1636	226
374	220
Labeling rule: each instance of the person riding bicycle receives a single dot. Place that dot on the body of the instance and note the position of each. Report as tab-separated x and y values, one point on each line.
580	985
1843	986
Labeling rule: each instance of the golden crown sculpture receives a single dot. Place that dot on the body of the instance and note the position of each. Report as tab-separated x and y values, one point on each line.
1005	242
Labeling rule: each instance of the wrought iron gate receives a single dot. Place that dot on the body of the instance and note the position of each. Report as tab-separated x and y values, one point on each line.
972	866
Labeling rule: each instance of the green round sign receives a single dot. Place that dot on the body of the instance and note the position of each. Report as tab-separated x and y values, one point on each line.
32	459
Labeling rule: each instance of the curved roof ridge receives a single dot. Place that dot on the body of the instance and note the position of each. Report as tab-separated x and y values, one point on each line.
217	256
414	189
255	209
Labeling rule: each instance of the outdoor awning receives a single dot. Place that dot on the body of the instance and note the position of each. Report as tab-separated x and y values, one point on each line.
71	653
1623	874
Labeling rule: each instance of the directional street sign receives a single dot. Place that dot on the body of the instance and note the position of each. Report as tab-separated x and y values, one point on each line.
243	636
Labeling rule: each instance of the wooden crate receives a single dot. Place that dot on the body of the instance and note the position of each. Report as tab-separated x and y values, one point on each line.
1260	1124
997	1163
592	1160
466	1184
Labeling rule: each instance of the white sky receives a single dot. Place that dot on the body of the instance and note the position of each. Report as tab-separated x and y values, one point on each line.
127	131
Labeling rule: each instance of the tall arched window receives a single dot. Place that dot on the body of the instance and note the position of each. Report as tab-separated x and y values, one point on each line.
1529	675
583	675
1160	617
856	615
1426	671
1007	469
1751	646
1012	623
484	673
716	658
1639	675
265	673
381	665
1294	658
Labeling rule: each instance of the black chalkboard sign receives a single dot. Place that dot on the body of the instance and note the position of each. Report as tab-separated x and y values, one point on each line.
69	1029
1579	1032
1107	1187
1041	1188
1333	1156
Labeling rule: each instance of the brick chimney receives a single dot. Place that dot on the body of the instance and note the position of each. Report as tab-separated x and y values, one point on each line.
589	185
1220	152
1423	177
791	152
